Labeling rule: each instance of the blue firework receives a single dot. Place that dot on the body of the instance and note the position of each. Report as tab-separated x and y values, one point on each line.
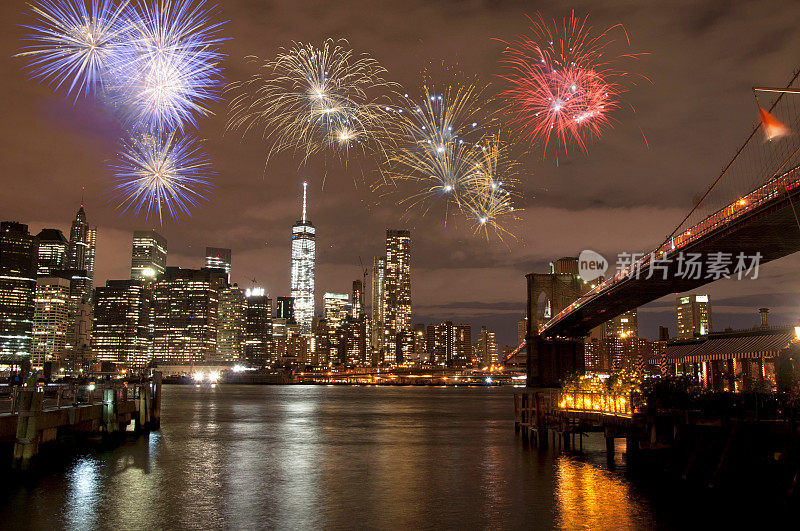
169	70
157	173
73	45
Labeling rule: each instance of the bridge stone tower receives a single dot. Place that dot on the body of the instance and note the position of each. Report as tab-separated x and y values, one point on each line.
550	360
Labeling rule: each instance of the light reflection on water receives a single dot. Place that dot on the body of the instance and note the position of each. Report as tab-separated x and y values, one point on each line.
303	456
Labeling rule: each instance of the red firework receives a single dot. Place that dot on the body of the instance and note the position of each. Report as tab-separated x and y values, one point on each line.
561	82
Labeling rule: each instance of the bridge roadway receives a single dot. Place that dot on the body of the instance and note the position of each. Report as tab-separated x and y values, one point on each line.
764	221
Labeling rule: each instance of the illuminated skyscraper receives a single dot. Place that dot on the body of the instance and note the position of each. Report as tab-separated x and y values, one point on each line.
53	252
148	255
186	304
694	315
487	353
82	242
51	320
121	331
397	289
230	328
257	326
219	259
378	316
357	309
302	274
17	288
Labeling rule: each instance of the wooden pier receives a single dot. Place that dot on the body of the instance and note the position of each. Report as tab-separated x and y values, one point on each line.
37	416
708	447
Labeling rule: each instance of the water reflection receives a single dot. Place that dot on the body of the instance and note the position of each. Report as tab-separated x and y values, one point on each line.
80	509
593	498
302	457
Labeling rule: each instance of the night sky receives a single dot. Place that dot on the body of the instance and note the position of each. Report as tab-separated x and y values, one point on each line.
704	57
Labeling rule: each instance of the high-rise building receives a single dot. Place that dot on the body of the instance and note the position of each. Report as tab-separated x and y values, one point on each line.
487	348
378	315
397	289
336	307
284	308
302	273
420	343
257	327
51	320
462	346
358	299
82	243
450	344
336	311
694	315
148	255
219	259
186	305
231	324
121	331
18	253
53	252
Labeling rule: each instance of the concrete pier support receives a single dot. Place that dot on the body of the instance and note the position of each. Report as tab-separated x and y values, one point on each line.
26	445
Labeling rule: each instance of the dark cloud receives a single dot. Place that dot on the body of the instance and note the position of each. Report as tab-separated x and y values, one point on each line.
621	196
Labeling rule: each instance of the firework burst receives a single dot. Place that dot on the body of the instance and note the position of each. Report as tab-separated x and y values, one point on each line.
74	45
437	149
161	173
169	70
451	152
314	97
563	83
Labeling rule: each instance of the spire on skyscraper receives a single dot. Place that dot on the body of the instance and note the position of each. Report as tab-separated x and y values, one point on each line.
305	187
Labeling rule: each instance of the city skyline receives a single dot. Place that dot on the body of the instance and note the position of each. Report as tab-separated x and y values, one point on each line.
252	207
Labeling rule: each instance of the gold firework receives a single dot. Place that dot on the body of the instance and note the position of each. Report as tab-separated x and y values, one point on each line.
310	98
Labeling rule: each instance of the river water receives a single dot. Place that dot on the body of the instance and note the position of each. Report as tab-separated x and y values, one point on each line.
333	457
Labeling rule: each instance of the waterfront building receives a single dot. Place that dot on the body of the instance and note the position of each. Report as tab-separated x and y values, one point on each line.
450	344
302	270
734	360
51	320
53	252
219	259
81	253
397	290
231	326
257	327
487	350
148	255
694	315
378	315
18	254
121	328
186	304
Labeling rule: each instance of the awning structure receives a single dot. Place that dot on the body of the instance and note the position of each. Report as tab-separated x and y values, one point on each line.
733	345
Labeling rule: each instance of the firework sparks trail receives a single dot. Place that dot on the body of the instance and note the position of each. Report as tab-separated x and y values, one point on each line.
74	45
489	197
157	173
562	82
310	98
